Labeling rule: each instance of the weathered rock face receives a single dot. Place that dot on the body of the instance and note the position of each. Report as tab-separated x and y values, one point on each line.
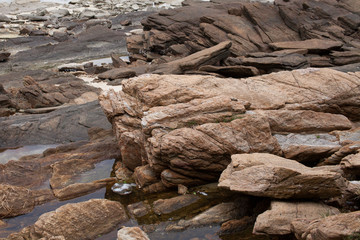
184	128
339	226
277	220
15	201
132	233
267	175
84	220
300	34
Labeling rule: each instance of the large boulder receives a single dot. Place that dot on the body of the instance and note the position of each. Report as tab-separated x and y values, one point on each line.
184	128
266	175
277	220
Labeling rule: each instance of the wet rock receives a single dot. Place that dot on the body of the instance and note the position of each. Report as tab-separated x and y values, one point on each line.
277	177
79	189
49	128
123	188
338	226
117	73
67	160
312	45
217	214
235	226
145	176
277	220
139	209
182	189
80	220
132	233
4	56
15	201
167	206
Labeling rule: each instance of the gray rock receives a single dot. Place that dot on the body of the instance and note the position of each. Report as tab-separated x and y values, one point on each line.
4	18
68	124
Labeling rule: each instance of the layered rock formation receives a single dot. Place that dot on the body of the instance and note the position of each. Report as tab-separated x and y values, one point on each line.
187	127
265	37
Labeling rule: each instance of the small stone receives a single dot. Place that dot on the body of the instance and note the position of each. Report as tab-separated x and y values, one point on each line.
182	189
126	22
139	209
135	7
132	233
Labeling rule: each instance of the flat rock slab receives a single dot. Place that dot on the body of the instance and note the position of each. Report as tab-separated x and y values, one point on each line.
312	45
277	220
83	220
49	128
266	175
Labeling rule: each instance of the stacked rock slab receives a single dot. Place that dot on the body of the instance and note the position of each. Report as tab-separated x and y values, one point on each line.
265	37
185	128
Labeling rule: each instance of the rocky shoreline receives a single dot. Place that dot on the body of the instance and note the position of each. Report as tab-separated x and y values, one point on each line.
180	119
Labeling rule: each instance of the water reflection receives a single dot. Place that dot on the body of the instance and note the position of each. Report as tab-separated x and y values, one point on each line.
8	154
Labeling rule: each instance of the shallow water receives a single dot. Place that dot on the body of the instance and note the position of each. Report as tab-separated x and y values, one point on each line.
102	170
8	154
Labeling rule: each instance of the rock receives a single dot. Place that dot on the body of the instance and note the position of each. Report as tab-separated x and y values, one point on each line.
186	127
182	189
4	56
192	62
299	121
340	226
167	206
344	58
235	226
4	18
117	73
132	233
80	189
308	148
217	214
15	201
117	61
277	177
351	164
139	209
126	22
277	220
61	164
231	71
49	128
80	220
312	45
144	176
69	67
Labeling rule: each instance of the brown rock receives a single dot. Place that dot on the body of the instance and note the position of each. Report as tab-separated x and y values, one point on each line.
132	233
130	143
80	220
182	189
351	164
338	226
117	61
266	175
167	206
277	220
80	189
284	121
235	226
144	176
117	73
312	45
15	201
192	62
231	71
139	209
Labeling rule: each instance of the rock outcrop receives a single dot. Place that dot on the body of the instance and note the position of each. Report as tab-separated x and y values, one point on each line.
340	226
266	175
83	220
183	129
277	220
